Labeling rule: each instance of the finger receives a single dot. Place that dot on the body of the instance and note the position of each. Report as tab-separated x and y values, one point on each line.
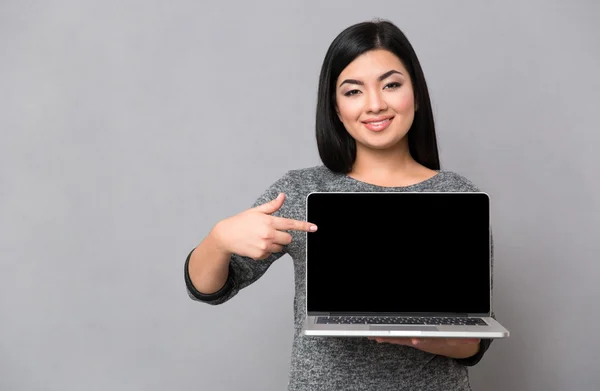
396	341
272	248
261	257
283	224
443	341
400	341
266	251
428	341
282	238
275	248
459	341
271	206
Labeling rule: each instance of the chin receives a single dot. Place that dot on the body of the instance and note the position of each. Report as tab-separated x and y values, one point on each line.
369	143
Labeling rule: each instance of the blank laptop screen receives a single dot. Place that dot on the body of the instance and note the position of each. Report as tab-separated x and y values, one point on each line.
398	253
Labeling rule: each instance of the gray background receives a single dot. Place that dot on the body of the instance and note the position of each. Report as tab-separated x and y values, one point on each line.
130	127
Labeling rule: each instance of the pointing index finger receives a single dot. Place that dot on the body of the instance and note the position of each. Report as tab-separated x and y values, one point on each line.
281	223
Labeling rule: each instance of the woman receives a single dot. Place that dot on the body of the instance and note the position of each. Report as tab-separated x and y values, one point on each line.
375	132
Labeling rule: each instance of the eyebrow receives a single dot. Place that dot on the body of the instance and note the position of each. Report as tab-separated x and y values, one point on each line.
380	78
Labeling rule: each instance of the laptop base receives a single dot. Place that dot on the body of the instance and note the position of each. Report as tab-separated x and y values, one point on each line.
493	330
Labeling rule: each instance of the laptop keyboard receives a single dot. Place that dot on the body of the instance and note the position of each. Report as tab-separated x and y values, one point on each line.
446	321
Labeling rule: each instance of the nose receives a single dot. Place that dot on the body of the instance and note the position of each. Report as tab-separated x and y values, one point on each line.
376	102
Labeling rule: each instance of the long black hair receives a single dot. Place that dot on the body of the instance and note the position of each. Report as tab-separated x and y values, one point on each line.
337	148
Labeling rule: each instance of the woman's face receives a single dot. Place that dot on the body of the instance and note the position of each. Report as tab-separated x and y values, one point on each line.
375	100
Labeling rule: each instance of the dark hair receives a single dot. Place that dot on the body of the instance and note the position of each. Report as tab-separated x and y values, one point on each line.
337	148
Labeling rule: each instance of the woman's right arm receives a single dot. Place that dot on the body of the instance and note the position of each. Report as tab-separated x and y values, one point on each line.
238	250
208	266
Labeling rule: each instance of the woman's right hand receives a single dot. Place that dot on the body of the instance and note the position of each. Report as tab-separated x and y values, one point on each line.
255	233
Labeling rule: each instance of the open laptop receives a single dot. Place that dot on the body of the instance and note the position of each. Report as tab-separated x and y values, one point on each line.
406	264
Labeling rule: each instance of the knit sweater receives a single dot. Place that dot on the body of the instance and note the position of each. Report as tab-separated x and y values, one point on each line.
344	363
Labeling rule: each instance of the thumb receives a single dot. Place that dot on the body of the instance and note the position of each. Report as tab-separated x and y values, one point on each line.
272	206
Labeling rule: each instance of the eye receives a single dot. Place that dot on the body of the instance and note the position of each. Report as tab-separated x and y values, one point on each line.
351	92
393	85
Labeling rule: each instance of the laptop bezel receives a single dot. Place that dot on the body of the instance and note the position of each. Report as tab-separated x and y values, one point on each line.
407	314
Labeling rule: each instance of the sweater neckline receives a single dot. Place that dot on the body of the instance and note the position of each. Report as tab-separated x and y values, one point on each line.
427	181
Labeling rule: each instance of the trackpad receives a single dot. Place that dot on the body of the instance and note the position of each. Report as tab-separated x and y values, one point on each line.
400	328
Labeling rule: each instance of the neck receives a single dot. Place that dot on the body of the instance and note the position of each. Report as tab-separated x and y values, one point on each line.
390	167
390	161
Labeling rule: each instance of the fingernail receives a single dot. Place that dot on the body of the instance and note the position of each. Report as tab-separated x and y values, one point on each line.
313	228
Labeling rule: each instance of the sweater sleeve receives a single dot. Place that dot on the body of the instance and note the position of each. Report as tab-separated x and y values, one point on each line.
485	343
468	186
243	271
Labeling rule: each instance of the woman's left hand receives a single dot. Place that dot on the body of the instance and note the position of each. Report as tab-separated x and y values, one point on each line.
430	342
451	347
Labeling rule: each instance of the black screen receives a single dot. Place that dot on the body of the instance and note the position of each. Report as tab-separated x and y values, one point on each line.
398	253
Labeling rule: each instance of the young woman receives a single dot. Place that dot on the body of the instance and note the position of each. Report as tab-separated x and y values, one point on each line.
375	132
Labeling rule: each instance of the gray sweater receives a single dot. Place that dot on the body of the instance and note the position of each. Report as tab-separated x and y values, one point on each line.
330	363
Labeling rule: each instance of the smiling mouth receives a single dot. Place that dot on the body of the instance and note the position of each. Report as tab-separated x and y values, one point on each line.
378	124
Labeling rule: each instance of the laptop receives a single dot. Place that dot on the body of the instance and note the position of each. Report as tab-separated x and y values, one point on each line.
404	264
